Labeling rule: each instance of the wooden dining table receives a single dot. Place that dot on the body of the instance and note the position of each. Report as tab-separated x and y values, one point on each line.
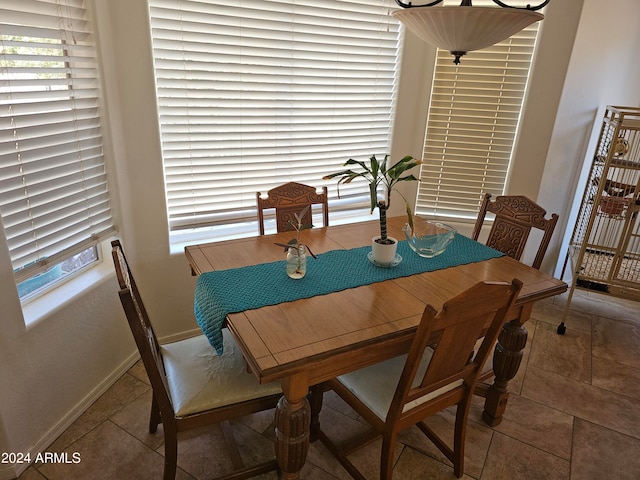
305	342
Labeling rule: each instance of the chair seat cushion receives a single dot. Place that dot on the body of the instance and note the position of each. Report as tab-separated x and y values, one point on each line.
199	379
376	385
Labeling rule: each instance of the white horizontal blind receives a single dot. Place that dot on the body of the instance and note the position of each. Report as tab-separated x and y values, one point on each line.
473	119
53	193
255	93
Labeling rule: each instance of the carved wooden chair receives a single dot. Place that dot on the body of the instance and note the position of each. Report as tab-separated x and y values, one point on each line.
192	385
289	199
439	371
515	216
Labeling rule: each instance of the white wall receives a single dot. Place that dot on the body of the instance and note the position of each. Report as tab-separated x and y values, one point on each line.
53	370
604	69
531	158
49	372
130	93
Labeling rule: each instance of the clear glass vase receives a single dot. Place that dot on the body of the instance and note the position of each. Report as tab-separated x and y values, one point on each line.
297	261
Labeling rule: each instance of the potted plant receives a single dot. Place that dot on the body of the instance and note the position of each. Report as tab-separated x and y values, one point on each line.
296	250
378	175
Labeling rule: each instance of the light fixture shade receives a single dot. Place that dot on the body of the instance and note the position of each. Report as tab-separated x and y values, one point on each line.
462	29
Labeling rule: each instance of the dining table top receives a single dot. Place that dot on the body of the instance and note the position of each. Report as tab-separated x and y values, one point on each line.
327	335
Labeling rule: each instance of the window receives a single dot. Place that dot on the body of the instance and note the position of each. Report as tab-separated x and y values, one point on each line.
258	93
54	200
471	127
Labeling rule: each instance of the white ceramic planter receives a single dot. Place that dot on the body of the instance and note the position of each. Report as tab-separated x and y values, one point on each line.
383	254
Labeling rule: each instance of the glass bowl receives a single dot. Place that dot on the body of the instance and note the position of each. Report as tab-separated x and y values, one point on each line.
428	238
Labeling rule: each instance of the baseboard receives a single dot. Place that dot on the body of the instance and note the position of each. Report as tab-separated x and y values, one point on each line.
13	471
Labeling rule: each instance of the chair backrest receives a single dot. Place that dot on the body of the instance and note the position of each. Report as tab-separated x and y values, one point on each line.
289	199
453	368
515	216
142	330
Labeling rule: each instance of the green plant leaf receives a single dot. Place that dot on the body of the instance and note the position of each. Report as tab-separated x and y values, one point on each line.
383	165
373	195
362	165
339	174
299	216
375	168
310	252
402	166
286	246
409	217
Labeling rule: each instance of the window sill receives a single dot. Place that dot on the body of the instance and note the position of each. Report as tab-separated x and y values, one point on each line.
181	239
47	304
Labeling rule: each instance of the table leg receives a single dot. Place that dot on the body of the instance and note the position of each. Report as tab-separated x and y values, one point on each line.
506	362
293	415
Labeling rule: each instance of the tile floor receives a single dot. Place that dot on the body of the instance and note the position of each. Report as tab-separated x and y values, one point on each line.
574	413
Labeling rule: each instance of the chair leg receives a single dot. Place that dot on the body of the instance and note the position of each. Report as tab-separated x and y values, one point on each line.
155	418
459	435
170	452
386	456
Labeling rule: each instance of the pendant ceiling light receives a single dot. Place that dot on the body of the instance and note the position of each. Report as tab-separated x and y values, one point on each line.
464	28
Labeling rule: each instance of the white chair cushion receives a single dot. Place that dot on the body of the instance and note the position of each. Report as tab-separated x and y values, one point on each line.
200	380
376	385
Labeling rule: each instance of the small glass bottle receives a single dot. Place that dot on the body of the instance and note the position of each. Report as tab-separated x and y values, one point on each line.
297	261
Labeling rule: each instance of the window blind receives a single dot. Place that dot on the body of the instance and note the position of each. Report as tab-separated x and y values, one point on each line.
256	93
53	190
472	124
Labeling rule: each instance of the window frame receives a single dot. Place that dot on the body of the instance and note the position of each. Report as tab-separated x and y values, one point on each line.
444	202
351	196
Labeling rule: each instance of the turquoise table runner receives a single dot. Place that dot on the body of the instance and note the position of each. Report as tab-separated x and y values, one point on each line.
221	292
